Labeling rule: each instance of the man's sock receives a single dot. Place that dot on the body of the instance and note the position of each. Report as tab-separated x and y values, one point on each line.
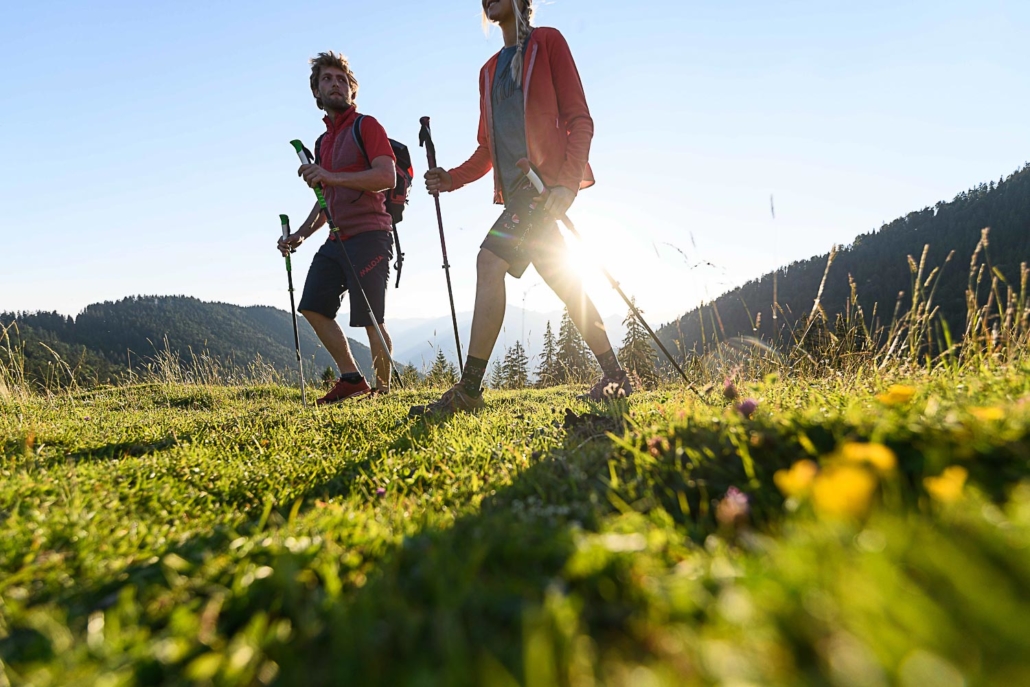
352	377
472	375
610	364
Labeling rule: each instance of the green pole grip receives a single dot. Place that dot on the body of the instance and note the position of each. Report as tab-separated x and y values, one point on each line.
320	196
303	155
284	222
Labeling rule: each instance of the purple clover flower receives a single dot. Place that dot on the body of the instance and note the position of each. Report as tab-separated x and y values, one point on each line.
747	407
734	508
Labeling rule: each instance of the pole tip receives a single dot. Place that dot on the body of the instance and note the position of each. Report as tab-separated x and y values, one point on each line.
424	121
523	165
297	145
284	220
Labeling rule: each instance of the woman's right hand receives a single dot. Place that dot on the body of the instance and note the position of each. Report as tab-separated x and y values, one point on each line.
438	180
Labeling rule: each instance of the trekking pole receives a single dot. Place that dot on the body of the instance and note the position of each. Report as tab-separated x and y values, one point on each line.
293	308
425	139
305	158
538	184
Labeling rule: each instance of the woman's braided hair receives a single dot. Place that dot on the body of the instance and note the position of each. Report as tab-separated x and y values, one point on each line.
522	30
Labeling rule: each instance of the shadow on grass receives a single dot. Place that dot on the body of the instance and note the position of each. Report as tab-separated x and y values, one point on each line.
16	447
126	449
450	603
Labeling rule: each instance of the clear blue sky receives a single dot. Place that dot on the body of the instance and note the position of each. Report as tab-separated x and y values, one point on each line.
145	146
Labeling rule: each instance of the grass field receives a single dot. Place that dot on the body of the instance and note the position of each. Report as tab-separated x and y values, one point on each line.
847	533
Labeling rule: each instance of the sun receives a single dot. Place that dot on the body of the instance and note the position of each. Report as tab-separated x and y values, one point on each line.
581	261
578	263
615	239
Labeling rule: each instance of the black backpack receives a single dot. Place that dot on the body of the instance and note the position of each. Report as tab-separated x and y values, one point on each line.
397	197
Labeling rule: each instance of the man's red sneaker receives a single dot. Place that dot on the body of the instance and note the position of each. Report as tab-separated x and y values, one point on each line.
343	390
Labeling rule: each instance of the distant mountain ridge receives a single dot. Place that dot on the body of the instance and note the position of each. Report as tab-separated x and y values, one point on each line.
878	263
105	339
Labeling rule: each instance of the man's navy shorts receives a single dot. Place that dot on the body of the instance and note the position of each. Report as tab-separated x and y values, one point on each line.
329	277
524	233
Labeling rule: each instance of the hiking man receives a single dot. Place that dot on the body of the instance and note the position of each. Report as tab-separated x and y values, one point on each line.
532	105
353	183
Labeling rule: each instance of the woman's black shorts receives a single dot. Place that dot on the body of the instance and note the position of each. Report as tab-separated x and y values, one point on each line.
524	234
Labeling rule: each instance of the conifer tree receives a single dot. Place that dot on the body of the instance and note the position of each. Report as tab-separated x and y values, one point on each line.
328	377
547	373
410	376
443	372
575	362
496	378
515	368
636	355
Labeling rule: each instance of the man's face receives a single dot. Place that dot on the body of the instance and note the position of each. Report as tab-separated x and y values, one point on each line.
334	88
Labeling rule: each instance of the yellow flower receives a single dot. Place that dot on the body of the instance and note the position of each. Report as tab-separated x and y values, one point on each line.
897	393
991	414
877	455
947	487
843	491
796	481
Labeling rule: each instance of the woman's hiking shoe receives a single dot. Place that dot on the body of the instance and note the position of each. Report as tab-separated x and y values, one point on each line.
609	389
454	400
343	390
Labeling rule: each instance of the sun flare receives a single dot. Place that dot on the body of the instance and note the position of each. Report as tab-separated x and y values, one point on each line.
608	245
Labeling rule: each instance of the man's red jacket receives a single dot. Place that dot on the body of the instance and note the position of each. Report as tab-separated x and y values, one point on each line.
558	123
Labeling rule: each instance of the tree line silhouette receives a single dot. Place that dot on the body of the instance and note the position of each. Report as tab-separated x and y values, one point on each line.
878	264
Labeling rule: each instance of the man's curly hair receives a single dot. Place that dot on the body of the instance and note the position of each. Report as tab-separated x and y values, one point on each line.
331	59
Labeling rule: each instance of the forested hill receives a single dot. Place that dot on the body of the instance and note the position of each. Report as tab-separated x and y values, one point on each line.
878	262
106	338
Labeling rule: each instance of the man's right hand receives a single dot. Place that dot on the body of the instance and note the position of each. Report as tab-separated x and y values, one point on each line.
438	181
289	244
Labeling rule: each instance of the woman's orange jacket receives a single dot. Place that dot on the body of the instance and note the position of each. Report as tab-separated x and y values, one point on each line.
558	123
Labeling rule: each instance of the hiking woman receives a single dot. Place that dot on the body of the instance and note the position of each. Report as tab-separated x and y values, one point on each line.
532	106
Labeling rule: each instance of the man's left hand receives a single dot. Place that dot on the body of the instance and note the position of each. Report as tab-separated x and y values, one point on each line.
316	176
559	200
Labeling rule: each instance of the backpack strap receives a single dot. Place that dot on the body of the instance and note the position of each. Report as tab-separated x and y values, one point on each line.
399	264
318	150
356	131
